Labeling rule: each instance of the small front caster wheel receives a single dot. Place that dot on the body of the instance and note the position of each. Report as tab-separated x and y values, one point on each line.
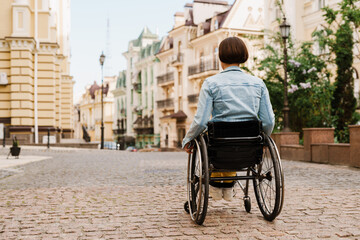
247	204
186	207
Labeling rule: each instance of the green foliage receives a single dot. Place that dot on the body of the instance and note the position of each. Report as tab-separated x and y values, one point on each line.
341	43
15	142
310	91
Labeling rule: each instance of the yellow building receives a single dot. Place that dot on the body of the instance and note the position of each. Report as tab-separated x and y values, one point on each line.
36	90
90	110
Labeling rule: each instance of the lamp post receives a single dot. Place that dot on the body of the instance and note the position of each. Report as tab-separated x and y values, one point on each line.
102	60
285	31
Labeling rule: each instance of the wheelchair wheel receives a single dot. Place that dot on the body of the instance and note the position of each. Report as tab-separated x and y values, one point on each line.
269	182
198	182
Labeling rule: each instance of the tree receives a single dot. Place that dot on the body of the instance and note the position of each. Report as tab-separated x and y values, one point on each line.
337	35
310	91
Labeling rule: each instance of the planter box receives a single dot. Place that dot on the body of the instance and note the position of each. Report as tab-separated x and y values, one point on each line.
15	151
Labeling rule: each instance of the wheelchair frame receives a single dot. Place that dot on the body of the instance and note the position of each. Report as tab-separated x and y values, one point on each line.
198	187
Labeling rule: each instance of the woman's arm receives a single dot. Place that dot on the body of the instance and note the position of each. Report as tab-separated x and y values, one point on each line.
202	115
266	113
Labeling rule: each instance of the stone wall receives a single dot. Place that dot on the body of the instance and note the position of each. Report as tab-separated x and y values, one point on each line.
319	147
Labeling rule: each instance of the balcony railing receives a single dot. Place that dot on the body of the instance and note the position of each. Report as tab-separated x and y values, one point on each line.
165	78
137	87
119	131
167	103
193	98
203	66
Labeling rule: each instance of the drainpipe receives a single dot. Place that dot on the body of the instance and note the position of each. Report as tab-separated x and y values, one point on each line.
36	74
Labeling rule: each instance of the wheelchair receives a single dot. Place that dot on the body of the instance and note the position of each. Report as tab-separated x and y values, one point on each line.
240	147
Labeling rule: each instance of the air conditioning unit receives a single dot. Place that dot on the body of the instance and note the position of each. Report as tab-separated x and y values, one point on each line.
3	78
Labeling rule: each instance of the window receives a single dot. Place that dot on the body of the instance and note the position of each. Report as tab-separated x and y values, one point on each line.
146	100
152	75
146	75
321	4
216	24
152	99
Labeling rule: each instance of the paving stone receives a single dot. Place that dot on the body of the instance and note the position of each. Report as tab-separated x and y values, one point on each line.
119	195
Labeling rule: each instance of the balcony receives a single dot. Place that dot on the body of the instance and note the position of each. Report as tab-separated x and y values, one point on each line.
167	103
119	131
144	125
137	87
206	68
166	78
177	59
193	99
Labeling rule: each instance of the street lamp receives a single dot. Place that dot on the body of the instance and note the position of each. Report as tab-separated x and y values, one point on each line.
285	32
102	60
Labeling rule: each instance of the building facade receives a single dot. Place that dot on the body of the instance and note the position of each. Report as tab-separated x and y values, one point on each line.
305	17
91	109
139	90
36	90
189	54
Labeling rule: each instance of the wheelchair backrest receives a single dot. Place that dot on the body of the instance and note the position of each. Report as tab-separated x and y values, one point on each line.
234	129
235	145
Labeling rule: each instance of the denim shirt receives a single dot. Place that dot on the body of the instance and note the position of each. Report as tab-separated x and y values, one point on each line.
230	96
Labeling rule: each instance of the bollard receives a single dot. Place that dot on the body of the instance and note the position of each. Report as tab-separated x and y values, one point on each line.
48	142
4	137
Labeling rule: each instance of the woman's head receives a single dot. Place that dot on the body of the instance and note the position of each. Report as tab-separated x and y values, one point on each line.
232	50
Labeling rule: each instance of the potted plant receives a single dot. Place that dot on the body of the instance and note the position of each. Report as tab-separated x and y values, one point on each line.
15	149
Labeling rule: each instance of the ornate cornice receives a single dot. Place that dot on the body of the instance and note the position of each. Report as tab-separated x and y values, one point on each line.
20	43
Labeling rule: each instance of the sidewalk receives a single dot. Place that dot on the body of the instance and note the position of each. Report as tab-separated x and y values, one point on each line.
12	162
30	147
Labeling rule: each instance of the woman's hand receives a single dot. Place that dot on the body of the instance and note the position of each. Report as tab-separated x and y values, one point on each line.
189	147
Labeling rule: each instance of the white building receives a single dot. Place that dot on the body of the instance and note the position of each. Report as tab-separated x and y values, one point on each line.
140	90
189	54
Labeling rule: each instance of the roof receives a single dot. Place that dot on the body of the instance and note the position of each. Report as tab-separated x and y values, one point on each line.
178	115
121	80
150	49
218	2
190	20
93	88
146	33
188	5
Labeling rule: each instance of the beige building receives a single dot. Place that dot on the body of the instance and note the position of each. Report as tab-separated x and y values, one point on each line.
305	17
36	90
90	111
189	54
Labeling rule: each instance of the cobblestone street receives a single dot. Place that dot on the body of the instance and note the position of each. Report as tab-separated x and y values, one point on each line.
93	194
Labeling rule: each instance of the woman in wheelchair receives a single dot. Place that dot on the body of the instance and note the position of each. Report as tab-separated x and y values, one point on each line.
230	96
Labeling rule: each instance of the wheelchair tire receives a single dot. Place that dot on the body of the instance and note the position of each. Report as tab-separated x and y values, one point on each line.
247	204
198	181
269	182
186	207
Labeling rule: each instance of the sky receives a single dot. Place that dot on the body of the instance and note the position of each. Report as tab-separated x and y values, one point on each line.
88	36
127	19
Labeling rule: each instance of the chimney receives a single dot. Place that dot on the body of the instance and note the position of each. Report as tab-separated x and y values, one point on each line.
179	19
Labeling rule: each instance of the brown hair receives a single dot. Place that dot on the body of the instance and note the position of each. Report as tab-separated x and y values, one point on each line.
233	50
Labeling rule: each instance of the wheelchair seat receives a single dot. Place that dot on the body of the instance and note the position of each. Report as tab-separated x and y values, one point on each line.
235	145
